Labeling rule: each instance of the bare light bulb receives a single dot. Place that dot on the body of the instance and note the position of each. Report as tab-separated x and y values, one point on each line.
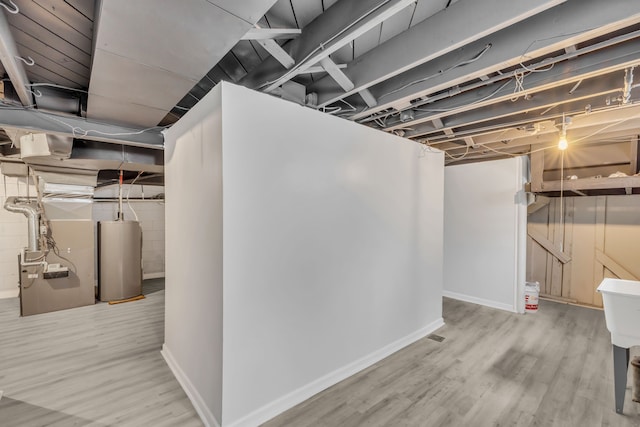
562	143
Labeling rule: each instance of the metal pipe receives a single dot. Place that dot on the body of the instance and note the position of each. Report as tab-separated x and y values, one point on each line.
14	204
15	70
628	84
120	213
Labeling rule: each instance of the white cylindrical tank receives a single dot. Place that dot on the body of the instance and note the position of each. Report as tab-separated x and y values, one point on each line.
119	260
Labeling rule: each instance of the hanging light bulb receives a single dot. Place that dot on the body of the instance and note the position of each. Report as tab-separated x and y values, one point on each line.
562	143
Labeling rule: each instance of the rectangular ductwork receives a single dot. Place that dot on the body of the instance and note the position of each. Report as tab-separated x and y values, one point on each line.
177	43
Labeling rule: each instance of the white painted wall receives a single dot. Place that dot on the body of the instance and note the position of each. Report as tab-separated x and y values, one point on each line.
485	233
150	215
332	250
13	235
193	267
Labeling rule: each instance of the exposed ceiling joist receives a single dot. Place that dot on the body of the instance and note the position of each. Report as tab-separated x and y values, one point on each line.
611	123
569	23
271	33
409	49
319	69
583	67
368	98
277	52
336	74
336	27
592	92
9	57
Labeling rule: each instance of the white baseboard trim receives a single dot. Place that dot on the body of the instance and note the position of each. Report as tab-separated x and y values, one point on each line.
198	403
158	275
480	301
287	401
11	293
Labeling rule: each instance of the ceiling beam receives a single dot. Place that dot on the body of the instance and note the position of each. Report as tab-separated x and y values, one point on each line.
36	121
592	92
336	73
550	31
619	122
600	62
9	57
271	33
336	27
446	31
277	52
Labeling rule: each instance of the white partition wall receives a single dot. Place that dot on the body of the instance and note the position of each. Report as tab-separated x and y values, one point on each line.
485	229
301	248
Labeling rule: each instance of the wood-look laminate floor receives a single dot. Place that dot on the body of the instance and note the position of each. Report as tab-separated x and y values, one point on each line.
101	366
551	368
90	366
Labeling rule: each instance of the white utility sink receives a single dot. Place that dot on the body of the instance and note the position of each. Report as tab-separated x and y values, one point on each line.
621	299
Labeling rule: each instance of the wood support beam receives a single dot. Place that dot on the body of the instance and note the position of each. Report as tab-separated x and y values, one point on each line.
584	67
336	27
368	98
583	184
615	268
277	52
549	246
336	73
271	33
579	21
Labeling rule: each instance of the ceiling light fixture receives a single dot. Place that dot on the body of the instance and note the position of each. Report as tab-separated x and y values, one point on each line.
562	142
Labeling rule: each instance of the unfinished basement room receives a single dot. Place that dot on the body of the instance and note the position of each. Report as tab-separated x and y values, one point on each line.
296	213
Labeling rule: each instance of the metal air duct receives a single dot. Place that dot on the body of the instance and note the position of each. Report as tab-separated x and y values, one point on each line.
17	205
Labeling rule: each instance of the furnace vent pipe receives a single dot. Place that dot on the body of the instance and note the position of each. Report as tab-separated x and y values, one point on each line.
14	204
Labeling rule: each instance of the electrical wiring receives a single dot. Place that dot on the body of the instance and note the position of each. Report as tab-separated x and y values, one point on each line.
129	191
455	158
338	110
500	152
77	131
446	110
352	108
439	73
573	142
537	70
519	85
524	53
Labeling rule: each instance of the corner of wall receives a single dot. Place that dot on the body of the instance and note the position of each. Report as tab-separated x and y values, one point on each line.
522	177
192	392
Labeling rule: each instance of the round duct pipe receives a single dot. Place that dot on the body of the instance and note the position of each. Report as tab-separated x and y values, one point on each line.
58	100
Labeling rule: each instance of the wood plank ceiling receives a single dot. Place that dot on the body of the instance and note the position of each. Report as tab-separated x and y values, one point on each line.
57	35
